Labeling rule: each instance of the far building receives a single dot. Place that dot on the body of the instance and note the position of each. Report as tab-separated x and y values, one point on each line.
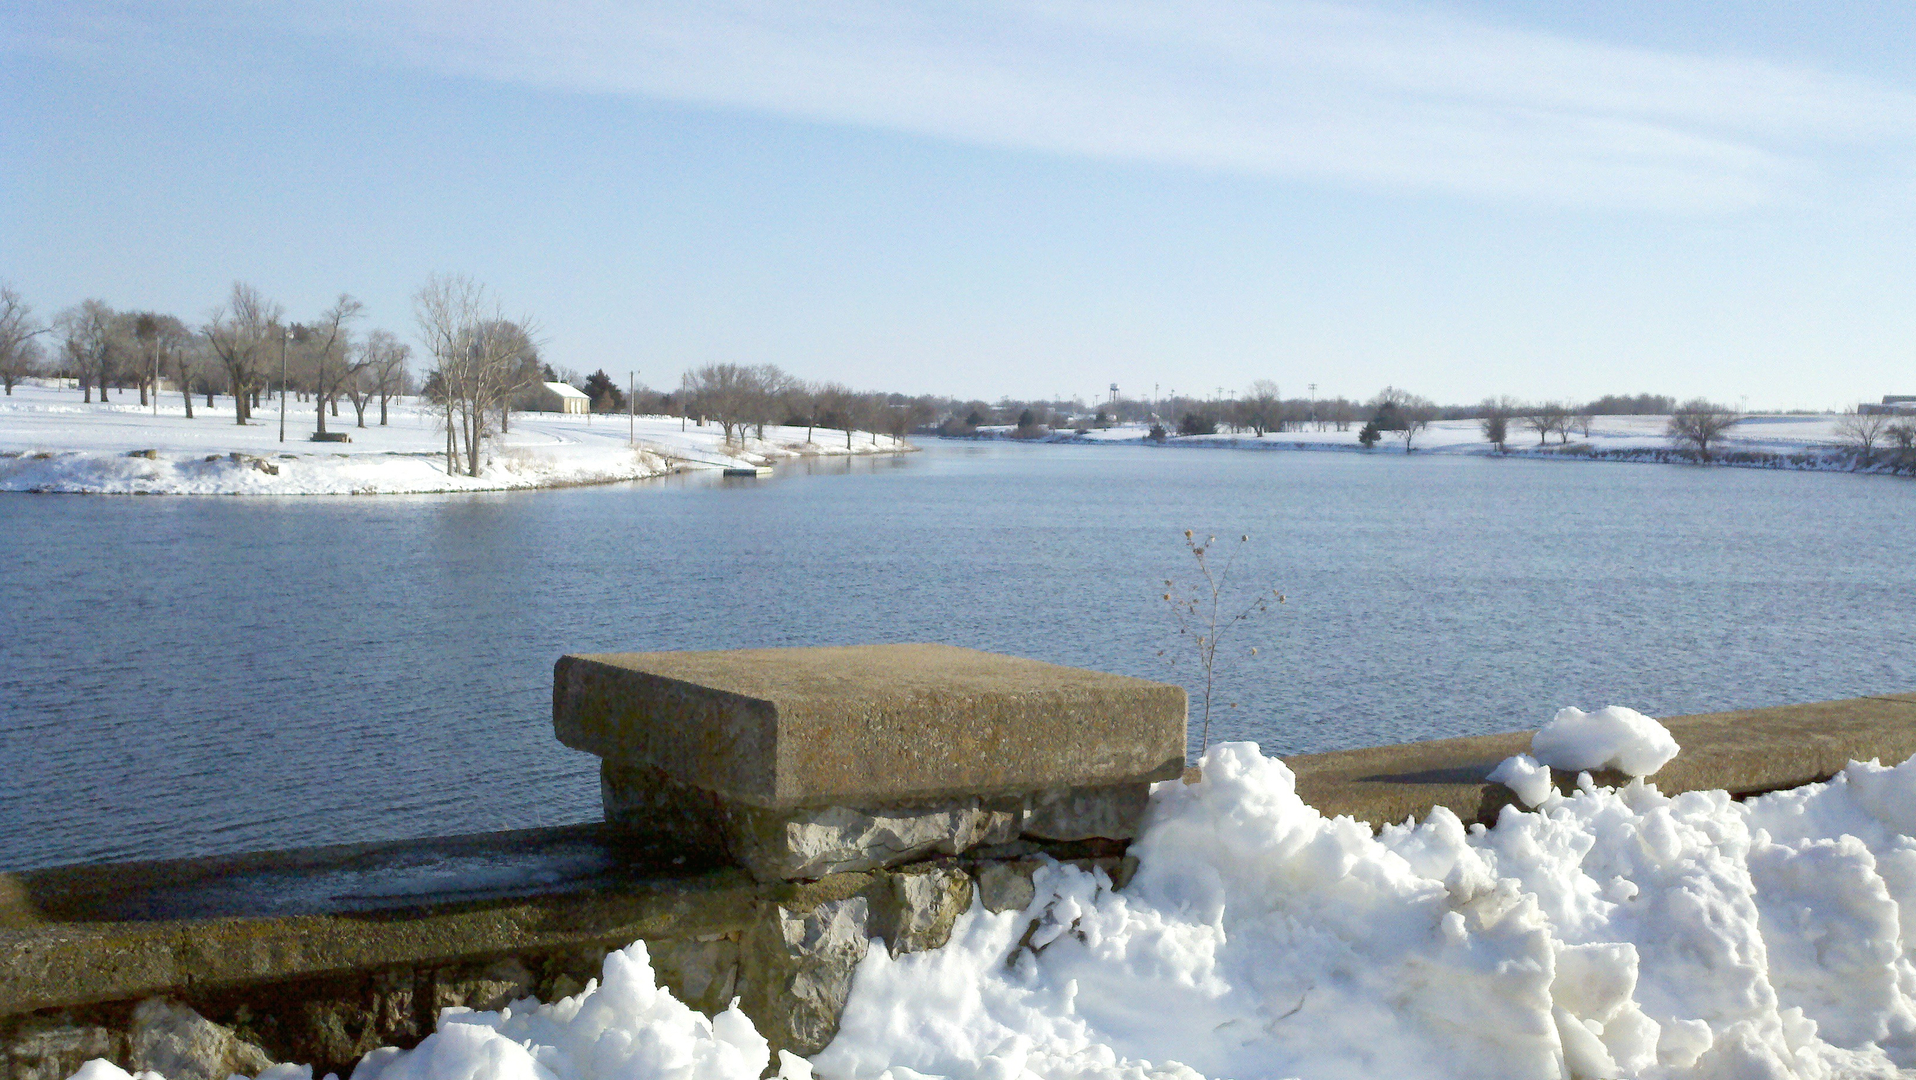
560	398
1893	405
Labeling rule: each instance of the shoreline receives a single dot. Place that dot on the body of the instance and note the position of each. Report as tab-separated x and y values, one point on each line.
52	445
1807	458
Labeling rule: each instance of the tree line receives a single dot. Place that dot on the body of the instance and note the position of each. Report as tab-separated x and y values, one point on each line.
244	348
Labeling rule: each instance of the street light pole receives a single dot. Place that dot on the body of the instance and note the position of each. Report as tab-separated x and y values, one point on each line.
284	333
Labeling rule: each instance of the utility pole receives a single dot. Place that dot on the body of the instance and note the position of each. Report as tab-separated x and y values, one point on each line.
632	408
284	333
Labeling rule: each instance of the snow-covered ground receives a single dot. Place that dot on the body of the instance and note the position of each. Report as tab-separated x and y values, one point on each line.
50	441
1808	438
1609	933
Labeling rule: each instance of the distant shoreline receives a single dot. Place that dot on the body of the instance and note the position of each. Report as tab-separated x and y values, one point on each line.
1736	452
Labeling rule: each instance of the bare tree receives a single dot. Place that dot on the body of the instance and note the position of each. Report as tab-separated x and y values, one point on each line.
238	332
1545	419
1861	431
475	348
1403	412
87	328
800	405
1903	434
1263	407
1495	420
369	373
736	395
385	370
19	354
151	339
838	408
330	358
1699	422
187	361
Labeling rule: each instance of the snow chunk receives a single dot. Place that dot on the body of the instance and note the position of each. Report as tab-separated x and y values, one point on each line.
626	1028
1526	776
1610	738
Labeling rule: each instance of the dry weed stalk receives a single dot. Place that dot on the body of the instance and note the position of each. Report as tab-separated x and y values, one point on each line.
1205	619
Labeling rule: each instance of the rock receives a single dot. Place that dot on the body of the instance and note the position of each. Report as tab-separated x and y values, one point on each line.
180	1044
16	904
812	843
54	1051
916	907
797	968
803	843
488	989
1112	812
1006	886
335	1031
702	971
150	455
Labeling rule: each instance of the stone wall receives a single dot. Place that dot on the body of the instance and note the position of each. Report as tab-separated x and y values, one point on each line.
202	997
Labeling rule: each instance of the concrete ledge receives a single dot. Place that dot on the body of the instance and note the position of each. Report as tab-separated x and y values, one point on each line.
1746	752
867	725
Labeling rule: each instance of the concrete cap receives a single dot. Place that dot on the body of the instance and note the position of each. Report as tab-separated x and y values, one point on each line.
867	724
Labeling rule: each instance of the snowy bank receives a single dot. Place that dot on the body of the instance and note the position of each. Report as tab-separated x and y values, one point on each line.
51	442
1612	933
1799	443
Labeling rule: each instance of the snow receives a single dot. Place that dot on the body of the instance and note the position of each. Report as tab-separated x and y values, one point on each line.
1612	933
1611	738
1526	776
1616	933
50	441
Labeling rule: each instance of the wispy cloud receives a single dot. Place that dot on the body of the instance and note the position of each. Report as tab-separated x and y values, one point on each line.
1343	93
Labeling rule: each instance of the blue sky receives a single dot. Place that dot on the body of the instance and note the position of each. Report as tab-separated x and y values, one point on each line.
1464	199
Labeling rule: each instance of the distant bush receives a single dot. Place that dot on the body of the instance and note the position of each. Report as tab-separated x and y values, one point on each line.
1197	424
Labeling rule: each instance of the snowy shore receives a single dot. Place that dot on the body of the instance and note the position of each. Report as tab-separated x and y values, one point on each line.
1759	442
51	442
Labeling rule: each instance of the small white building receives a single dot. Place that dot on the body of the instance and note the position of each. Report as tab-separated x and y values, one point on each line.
560	398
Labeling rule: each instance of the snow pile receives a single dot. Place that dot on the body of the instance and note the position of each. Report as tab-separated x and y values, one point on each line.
1619	933
1613	738
1526	776
624	1028
1577	741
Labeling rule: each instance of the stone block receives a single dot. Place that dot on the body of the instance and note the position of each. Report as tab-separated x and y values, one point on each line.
798	763
180	1044
701	971
1006	886
798	965
916	908
55	1050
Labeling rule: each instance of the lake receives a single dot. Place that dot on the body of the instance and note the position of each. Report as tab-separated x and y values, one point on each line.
186	676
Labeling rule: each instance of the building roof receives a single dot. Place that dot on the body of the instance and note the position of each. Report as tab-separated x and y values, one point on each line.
565	391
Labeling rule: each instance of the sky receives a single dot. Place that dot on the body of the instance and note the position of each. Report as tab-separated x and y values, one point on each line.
1463	199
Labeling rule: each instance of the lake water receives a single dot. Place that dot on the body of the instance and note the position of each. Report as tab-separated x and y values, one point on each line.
189	676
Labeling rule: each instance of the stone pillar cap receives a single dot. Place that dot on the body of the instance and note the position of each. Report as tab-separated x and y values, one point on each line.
867	724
